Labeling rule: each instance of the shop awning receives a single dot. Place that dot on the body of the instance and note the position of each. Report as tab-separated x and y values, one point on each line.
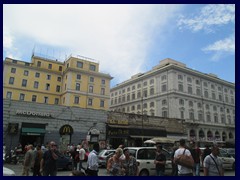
33	131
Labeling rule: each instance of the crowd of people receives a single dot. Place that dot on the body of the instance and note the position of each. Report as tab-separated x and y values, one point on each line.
42	161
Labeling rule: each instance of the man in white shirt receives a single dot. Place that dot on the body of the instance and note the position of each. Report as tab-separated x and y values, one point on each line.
92	163
82	153
183	171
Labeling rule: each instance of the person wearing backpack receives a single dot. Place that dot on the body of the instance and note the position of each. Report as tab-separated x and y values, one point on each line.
182	170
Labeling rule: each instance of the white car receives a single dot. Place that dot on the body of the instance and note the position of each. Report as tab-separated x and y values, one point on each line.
8	172
145	157
103	156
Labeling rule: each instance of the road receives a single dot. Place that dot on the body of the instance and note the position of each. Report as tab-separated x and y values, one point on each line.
102	171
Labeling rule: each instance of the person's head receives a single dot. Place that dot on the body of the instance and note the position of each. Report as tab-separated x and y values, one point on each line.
159	148
96	147
215	150
30	146
126	152
182	142
52	145
119	152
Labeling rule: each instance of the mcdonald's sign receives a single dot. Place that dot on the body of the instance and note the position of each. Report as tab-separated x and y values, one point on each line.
66	129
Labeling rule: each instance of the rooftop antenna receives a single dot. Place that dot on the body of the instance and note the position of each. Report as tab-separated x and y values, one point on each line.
33	51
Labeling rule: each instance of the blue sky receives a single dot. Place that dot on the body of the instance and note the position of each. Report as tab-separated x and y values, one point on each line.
125	39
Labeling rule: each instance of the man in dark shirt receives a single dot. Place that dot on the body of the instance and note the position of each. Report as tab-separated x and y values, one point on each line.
160	161
48	162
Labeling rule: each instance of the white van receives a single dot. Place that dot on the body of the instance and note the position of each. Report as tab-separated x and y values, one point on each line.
145	157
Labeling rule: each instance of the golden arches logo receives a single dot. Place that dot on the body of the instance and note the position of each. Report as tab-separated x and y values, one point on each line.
66	129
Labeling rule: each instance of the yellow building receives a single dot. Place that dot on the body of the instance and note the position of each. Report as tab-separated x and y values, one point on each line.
74	82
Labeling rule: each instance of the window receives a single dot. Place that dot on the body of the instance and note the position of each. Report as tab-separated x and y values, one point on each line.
133	108
78	76
45	100
164	77
205	84
102	91
145	93
101	103
213	96
180	77
91	79
133	96
152	91
164	113
145	83
76	100
37	75
49	66
190	103
199	105
48	77
180	87
205	94
36	84
60	68
24	83
11	80
128	97
152	81
164	102
59	79
139	86
25	73
91	89
198	92
200	117
189	79
181	102
128	89
47	86
197	81
27	64
13	70
207	106
39	64
216	118
14	61
189	90
220	97
138	106
212	86
133	87
77	86
34	98
56	101
21	97
67	65
57	88
103	81
164	88
152	104
9	95
79	64
208	118
92	67
139	95
90	102
191	115
145	105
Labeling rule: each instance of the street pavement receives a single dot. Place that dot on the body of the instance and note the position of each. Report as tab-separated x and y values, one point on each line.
102	171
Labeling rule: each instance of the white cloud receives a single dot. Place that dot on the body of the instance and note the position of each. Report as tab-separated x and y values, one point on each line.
219	48
119	36
210	16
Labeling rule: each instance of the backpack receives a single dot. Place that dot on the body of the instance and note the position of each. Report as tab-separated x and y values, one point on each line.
76	158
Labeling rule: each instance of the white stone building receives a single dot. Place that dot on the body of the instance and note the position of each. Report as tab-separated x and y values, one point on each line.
172	90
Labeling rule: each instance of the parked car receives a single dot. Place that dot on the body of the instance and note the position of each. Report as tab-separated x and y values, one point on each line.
230	151
227	160
103	156
8	172
145	157
64	162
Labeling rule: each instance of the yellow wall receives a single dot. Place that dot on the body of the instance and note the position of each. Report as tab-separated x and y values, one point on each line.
68	77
